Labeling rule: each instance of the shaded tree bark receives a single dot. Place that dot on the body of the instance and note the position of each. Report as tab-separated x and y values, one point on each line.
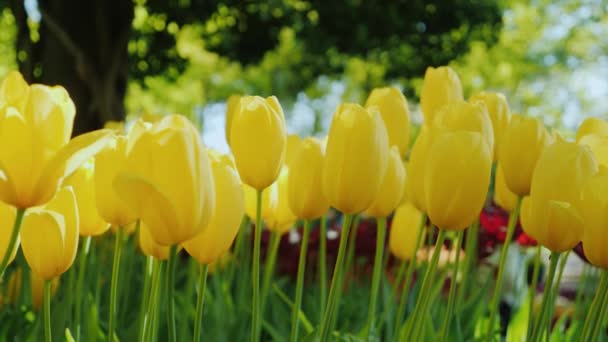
83	47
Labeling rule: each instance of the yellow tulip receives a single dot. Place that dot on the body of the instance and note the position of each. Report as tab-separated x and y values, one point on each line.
232	107
108	163
215	241
404	231
269	197
167	181
7	219
305	184
503	197
466	116
281	218
356	158
458	175
440	86
552	213
36	122
83	184
292	146
395	113
592	125
498	109
258	140
391	190
417	166
150	247
406	195
595	215
522	144
49	236
598	145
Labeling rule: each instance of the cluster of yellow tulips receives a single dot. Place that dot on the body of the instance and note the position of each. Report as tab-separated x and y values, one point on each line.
160	179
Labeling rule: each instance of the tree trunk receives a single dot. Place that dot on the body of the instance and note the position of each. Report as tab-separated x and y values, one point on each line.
83	47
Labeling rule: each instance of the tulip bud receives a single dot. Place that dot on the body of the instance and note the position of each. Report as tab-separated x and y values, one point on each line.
440	86
417	166
305	185
405	228
281	219
258	140
232	107
292	146
595	209
208	246
552	213
503	197
465	116
498	110
167	181
7	219
598	145
522	143
83	184
592	125
395	113
355	159
391	190
49	235
458	175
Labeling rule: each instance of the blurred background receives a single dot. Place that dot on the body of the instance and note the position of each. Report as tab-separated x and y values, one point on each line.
122	58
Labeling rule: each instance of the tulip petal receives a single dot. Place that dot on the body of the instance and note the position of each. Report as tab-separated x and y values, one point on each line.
153	207
14	90
42	240
7	219
64	203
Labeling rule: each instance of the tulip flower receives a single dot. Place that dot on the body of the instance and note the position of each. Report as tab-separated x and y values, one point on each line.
454	199
417	166
395	113
592	125
441	86
598	145
522	144
498	109
503	197
232	107
465	116
150	247
405	229
305	192
281	218
258	140
83	184
291	148
355	135
595	218
269	198
7	217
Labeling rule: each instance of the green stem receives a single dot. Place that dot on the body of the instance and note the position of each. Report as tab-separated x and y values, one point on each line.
146	296
422	303
470	256
151	315
271	259
352	246
532	292
377	273
13	241
408	277
501	268
80	283
323	263
47	310
592	313
538	326
114	283
555	292
333	299
171	294
257	241
399	278
202	287
602	315
452	295
300	282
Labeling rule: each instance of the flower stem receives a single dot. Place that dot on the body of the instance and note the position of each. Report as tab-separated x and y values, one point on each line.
323	263
202	287
151	316
538	326
501	268
13	241
334	291
377	274
114	283
602	314
555	291
470	256
593	310
408	277
146	299
171	294
271	259
47	310
300	282
80	283
453	284
532	292
257	241
422	303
